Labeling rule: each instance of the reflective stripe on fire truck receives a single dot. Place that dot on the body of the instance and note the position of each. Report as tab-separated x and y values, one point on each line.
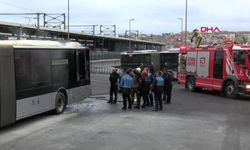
231	65
237	47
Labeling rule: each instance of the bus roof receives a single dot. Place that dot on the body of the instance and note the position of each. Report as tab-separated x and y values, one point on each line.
39	43
174	50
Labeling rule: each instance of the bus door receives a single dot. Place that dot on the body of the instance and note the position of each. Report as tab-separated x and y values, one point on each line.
83	73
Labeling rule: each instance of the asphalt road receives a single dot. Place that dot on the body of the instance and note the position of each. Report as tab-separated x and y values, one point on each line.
194	121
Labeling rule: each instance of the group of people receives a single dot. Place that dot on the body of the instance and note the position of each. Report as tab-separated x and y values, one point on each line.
142	83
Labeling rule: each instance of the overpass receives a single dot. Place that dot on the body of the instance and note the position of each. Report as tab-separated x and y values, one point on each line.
95	42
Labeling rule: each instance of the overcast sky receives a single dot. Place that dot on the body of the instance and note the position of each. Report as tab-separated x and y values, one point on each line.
151	16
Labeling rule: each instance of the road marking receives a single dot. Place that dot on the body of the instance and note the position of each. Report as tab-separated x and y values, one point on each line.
100	81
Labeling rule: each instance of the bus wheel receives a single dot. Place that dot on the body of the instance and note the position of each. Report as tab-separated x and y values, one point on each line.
60	103
191	84
230	90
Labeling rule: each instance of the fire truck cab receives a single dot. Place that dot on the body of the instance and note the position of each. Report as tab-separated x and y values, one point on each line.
221	68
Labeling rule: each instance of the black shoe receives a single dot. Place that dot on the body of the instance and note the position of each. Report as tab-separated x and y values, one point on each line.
160	109
143	106
123	108
109	101
137	107
166	103
115	100
155	110
130	107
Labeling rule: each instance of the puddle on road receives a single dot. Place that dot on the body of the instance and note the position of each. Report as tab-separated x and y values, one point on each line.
80	107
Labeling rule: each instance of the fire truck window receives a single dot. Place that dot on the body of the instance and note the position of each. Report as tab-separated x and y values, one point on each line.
218	64
239	58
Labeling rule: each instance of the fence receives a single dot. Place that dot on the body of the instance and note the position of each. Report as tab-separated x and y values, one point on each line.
103	70
104	55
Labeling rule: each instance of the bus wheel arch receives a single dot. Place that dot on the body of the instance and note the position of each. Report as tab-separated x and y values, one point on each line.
60	102
62	90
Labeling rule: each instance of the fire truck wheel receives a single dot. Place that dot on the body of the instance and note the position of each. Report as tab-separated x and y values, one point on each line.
230	90
191	84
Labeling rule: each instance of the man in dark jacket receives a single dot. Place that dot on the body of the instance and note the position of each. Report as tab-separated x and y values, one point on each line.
167	85
157	88
113	78
142	90
142	66
152	70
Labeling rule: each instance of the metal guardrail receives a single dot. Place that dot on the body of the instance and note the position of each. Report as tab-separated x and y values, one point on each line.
104	55
103	70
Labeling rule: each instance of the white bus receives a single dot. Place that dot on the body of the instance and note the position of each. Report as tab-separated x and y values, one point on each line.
41	76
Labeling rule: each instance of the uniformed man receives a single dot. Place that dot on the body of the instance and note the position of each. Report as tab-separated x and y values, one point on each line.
198	35
157	88
113	78
142	90
126	84
136	79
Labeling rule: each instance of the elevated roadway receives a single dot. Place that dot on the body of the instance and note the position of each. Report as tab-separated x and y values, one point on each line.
95	42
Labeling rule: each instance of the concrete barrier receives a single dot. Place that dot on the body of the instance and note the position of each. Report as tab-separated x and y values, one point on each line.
103	70
106	63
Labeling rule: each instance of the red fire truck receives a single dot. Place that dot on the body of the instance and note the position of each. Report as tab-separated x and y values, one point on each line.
223	68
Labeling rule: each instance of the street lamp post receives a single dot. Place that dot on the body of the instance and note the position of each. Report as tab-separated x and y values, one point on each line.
68	20
186	25
130	33
181	29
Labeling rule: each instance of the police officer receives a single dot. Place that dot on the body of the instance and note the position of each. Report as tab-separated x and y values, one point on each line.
126	84
157	88
113	78
142	90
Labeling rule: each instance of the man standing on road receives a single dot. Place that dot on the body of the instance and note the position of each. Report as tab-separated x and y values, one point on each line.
150	96
142	90
126	85
136	79
167	85
113	78
157	88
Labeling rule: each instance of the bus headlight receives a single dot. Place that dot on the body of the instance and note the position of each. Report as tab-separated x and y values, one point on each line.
248	86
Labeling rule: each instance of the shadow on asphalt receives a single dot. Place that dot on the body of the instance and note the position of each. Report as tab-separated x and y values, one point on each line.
219	94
